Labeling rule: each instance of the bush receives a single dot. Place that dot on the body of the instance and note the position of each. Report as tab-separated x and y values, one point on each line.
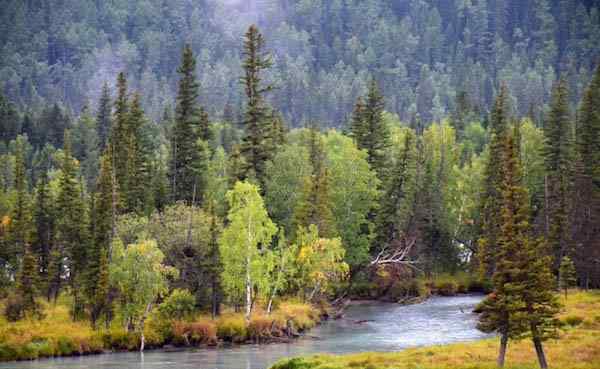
261	328
180	305
15	309
120	339
191	334
232	328
407	288
446	288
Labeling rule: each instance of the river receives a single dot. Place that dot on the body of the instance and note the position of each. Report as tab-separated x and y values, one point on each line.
389	327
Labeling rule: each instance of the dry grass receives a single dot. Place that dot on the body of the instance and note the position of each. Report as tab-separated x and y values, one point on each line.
577	348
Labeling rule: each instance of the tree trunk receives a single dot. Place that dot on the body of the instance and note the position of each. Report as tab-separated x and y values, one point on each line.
248	291
142	321
539	350
502	352
216	304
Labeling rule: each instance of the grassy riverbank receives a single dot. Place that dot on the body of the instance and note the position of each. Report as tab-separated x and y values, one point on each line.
57	335
577	348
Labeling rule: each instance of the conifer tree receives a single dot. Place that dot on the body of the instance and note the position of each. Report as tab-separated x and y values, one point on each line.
558	155
190	127
138	160
103	117
255	148
567	274
396	203
370	131
120	134
72	237
493	175
27	284
20	217
44	220
103	220
587	215
314	206
522	301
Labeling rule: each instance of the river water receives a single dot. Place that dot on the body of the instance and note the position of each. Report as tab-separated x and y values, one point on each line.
390	327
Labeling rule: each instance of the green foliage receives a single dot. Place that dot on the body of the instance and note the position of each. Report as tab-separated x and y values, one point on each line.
180	305
567	274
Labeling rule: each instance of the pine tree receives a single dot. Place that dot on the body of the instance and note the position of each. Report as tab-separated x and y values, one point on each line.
27	284
138	160
558	155
103	220
314	206
493	175
254	148
567	274
71	226
190	127
103	117
44	220
522	301
396	203
20	218
587	216
370	131
120	134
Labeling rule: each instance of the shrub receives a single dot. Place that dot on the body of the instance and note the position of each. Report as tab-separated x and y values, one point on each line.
232	328
180	305
446	288
200	332
261	328
14	308
120	339
407	288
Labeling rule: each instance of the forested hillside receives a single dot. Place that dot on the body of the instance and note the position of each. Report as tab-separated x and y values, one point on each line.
429	55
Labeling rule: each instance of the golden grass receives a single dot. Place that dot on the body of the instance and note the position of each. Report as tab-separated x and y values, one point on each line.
577	348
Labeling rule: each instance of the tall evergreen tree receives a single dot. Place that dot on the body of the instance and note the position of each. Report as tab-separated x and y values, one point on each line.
103	219
20	217
370	131
587	216
184	174
137	197
27	283
44	219
493	175
558	158
71	226
120	134
314	206
255	148
396	203
103	117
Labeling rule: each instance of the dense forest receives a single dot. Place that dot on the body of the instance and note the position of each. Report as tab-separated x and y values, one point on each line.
155	154
424	53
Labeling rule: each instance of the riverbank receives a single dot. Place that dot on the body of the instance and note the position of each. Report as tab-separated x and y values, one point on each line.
577	348
56	335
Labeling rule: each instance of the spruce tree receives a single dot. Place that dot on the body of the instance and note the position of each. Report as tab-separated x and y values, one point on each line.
522	302
558	158
27	285
314	206
254	147
138	160
103	117
396	203
44	221
493	175
587	196
370	131
20	217
120	134
71	226
567	274
190	127
103	219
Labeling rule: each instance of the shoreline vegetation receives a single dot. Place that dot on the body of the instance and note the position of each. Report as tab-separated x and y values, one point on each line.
576	348
56	335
